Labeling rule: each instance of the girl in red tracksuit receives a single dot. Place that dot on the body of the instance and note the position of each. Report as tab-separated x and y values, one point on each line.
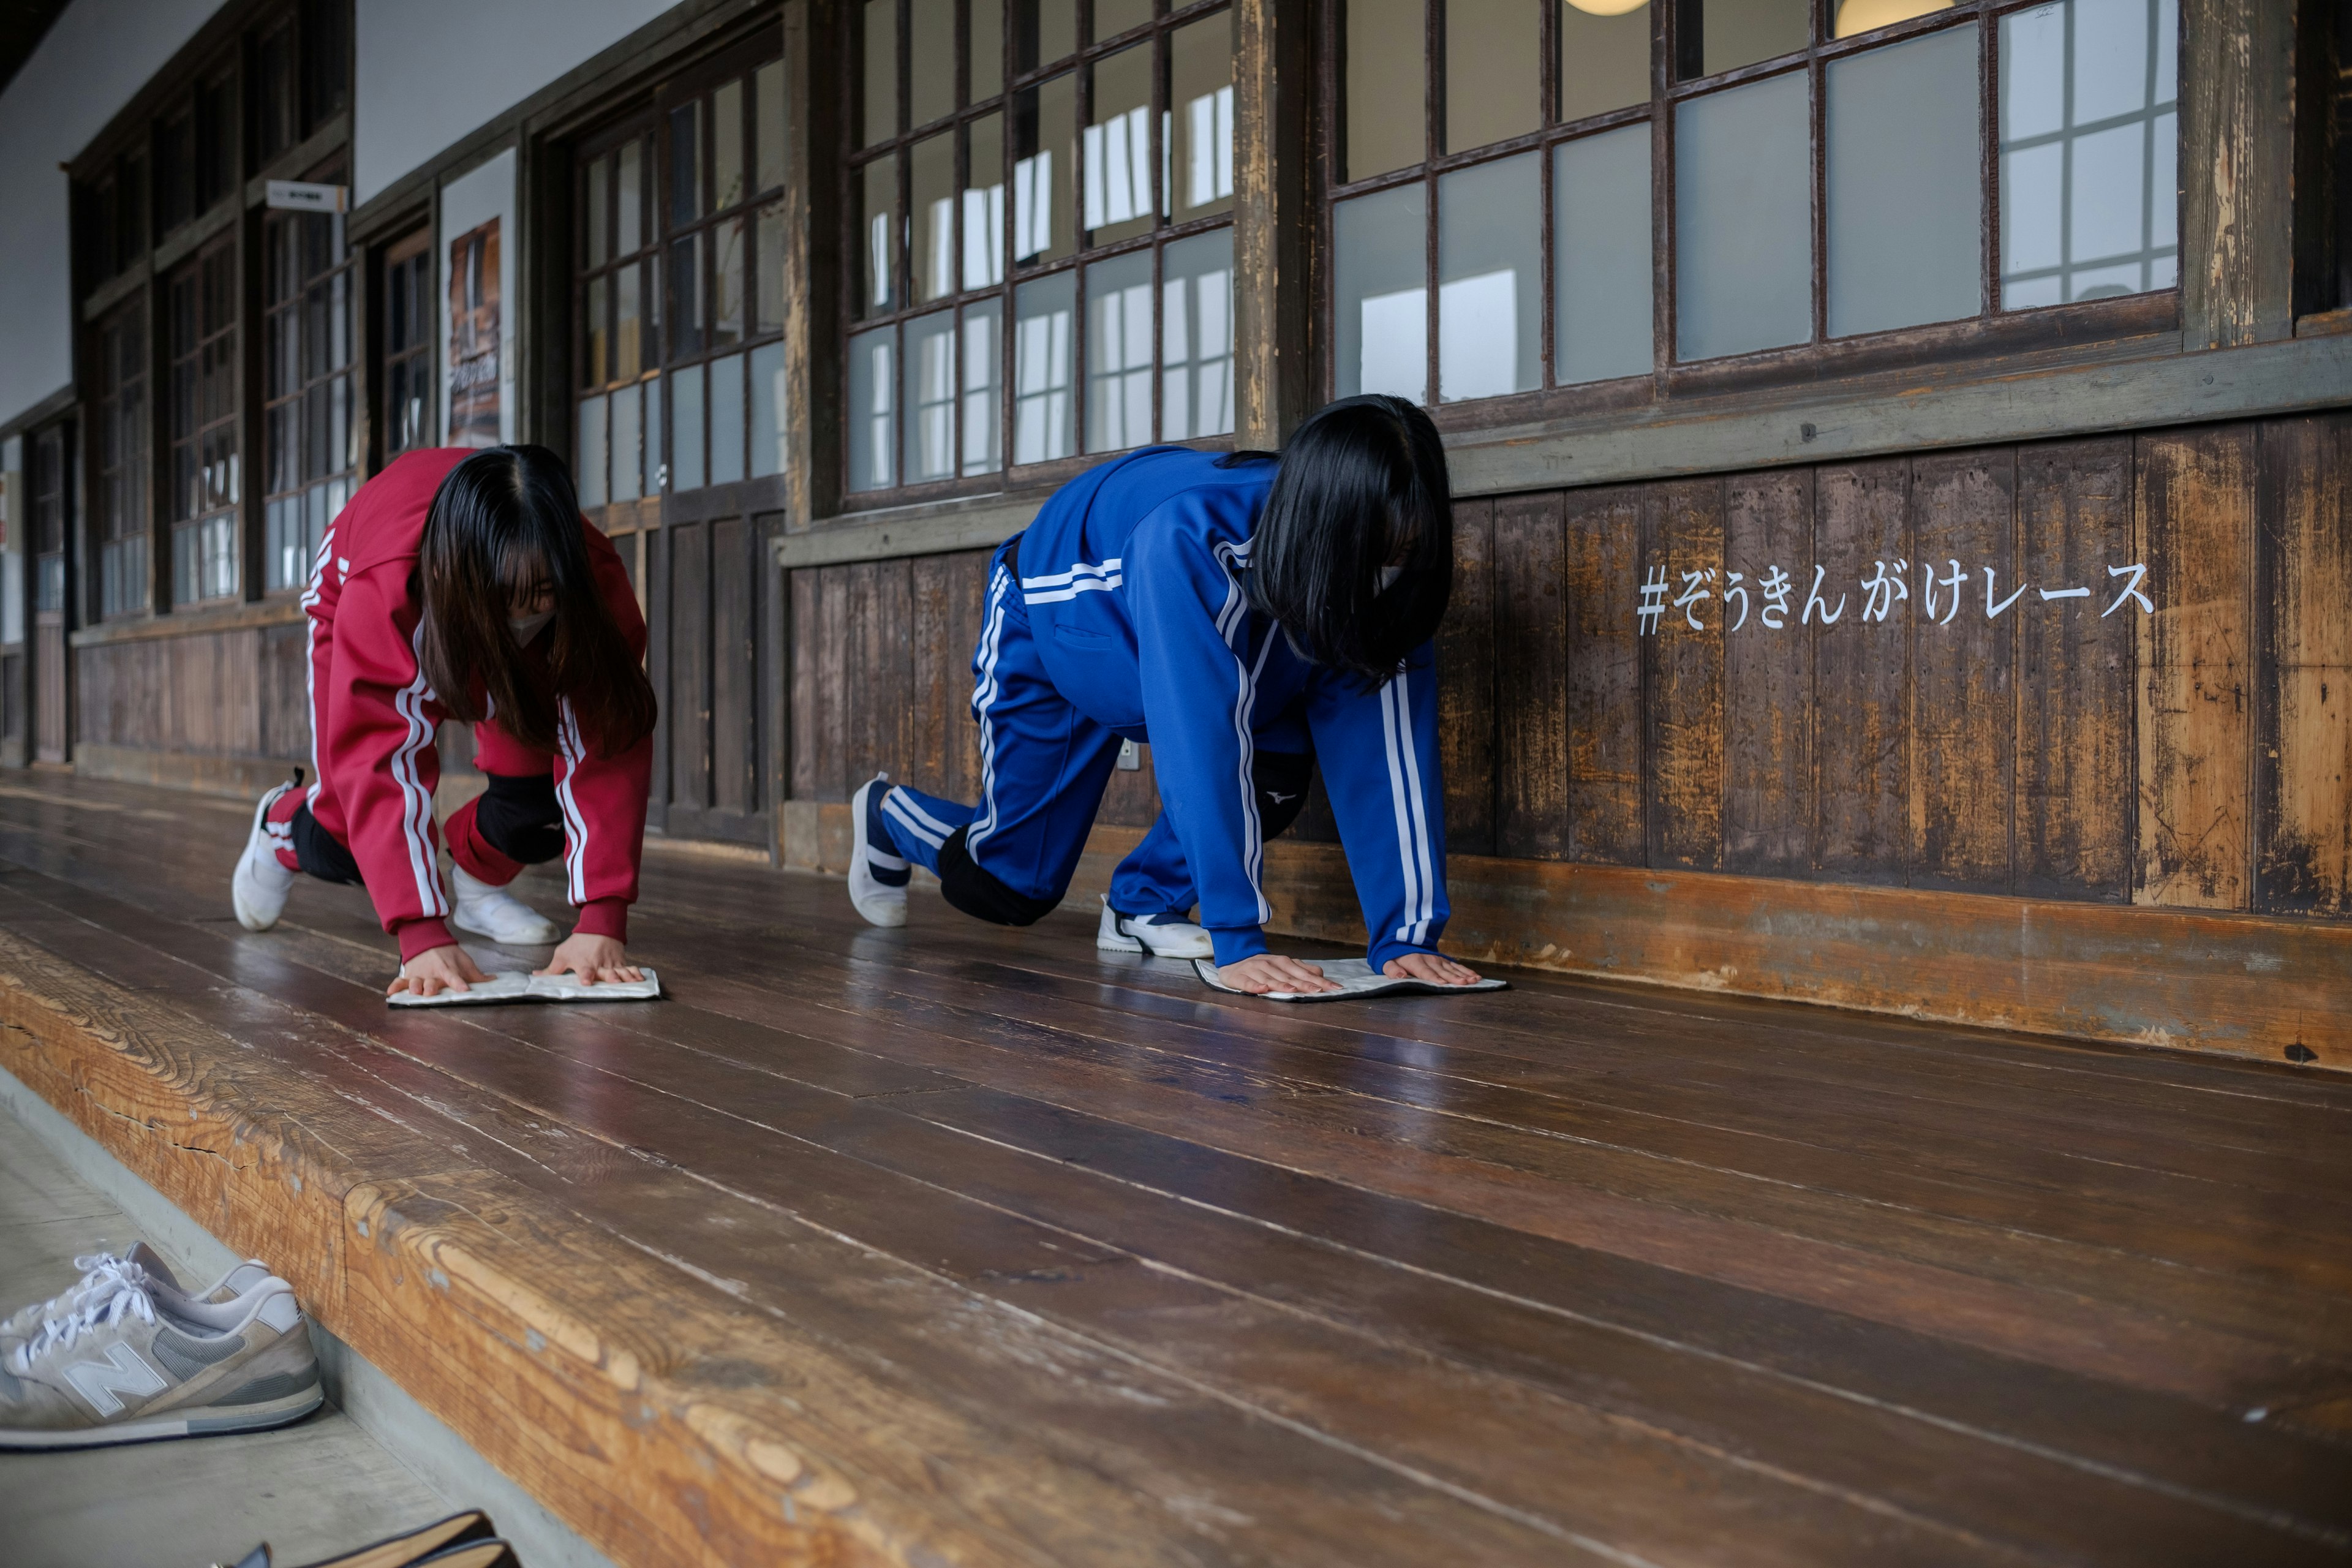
467	586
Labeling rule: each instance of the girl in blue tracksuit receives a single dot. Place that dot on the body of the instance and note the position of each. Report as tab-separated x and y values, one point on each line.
1250	616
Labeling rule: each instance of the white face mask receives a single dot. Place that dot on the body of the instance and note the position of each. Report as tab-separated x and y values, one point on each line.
1389	574
526	627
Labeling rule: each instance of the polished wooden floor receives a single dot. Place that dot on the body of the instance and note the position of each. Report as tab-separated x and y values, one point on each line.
1571	1272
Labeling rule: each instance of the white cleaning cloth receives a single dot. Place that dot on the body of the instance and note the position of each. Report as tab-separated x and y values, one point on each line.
515	987
1354	976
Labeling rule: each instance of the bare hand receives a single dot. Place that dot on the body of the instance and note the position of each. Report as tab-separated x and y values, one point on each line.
593	959
1428	966
1269	972
436	970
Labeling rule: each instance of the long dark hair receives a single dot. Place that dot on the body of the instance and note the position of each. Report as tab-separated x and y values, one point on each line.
1361	485
504	520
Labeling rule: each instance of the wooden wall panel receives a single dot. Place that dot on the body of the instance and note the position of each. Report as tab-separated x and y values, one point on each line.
1683	681
1606	820
2303	740
284	693
688	701
2194	510
810	694
1467	727
1863	684
939	701
1768	715
734	669
1531	659
2075	751
1963	699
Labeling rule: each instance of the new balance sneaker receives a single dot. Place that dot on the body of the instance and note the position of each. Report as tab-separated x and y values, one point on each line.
432	1544
124	1366
877	873
98	1267
260	886
494	912
1162	935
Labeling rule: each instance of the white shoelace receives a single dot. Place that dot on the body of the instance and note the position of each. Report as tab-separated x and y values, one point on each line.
112	1288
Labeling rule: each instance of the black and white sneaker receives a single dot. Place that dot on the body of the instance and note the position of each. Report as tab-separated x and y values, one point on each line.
260	886
877	874
1162	935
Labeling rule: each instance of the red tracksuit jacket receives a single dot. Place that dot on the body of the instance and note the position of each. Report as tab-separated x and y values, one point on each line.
374	716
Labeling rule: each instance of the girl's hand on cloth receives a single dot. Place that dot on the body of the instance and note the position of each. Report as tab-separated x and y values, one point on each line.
1429	967
436	970
593	959
1270	972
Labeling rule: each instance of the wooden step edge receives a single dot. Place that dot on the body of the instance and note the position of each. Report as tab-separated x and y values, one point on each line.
574	1395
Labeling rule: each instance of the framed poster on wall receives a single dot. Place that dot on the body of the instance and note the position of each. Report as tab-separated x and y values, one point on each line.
474	358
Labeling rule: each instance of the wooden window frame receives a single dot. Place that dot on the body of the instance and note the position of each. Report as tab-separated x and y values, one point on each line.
1991	332
187	513
1168	17
287	312
406	253
121	428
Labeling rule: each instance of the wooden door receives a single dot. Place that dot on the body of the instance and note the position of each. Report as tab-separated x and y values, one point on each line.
707	614
50	478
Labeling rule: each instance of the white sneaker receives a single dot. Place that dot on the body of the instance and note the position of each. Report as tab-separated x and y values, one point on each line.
1162	936
883	903
261	882
496	913
99	1268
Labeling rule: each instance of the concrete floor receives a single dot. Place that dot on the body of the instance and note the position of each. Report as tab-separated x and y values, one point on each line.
312	1491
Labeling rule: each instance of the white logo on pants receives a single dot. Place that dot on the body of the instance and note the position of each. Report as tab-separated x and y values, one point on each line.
124	1370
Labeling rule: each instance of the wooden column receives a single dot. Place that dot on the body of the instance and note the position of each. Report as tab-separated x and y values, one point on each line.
1274	227
2237	172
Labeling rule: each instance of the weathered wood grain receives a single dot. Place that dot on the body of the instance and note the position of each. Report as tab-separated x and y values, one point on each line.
1768	711
1531	663
2074	743
2303	738
1467	697
688	705
1861	810
1606	812
1963	689
2237	189
2194	500
1683	677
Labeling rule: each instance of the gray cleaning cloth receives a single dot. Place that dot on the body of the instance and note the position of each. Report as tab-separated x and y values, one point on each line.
1354	976
518	987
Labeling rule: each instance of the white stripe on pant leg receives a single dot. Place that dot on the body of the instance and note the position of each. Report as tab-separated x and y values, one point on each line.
417	812
992	647
1410	752
1245	703
890	808
1405	861
908	804
311	659
575	824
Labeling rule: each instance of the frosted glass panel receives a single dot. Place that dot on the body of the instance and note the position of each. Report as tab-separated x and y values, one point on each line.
1723	35
1045	350
1199	129
1601	204
1382	287
1493	71
1196	337
982	434
686	471
930	397
1118	354
1905	214
588	455
1490	280
983	205
2089	151
627	407
767	410
1604	61
1117	149
933	261
727	419
873	436
1385	86
1743	220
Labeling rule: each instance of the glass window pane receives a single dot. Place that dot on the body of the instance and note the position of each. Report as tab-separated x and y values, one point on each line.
878	236
1119	352
873	436
727	262
629	200
600	209
1857	16
881	71
1196	337
1387	44
2090	190
1714	35
930	46
768	128
686	296
1044	350
1118	148
984	204
1743	220
932	168
1043	31
628	410
1381	317
1490	280
1601	255
767	410
726	146
588	455
982	419
1199	126
727	419
1113	17
686	163
768	259
628	337
1493	71
685	429
657	475
987	49
1604	56
1905	208
930	397
1044	170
